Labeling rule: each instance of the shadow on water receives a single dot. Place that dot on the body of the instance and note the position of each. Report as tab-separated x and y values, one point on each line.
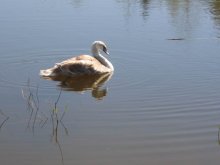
145	5
39	117
76	3
83	83
215	10
128	4
179	10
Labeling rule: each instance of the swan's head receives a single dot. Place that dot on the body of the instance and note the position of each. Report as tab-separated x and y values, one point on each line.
99	45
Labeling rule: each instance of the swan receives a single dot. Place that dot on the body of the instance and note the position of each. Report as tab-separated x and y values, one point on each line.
82	64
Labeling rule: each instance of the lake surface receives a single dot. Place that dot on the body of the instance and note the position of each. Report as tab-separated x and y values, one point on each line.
160	107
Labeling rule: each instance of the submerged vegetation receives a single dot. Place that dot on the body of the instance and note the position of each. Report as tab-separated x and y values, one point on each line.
38	117
5	118
31	97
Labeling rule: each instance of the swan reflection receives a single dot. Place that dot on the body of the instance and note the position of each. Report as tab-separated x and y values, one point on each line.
83	83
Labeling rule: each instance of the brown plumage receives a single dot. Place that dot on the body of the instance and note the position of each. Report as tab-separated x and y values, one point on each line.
83	64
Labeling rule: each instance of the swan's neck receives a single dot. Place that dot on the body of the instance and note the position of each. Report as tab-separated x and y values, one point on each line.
102	59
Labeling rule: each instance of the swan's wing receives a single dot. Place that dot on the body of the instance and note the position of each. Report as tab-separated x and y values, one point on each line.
83	64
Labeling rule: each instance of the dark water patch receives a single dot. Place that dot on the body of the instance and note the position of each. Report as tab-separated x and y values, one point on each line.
176	39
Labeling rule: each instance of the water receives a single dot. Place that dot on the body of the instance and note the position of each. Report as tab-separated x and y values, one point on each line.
161	105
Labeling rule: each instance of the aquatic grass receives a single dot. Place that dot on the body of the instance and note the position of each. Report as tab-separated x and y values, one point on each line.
33	104
4	120
31	97
56	120
218	135
33	107
43	122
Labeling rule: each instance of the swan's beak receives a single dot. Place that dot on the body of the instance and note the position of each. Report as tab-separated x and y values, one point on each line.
106	51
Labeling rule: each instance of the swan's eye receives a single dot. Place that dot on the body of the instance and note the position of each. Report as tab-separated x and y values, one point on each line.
105	50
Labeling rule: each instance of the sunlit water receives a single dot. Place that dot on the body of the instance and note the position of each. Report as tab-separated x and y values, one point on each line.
161	105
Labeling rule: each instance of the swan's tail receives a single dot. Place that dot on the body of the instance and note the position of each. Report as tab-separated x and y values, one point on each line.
47	72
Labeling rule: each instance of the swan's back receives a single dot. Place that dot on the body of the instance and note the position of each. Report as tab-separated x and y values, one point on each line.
83	64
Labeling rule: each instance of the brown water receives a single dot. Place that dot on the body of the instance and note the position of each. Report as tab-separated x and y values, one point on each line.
160	107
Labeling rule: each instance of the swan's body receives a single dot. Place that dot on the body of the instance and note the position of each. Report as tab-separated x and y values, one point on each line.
83	64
